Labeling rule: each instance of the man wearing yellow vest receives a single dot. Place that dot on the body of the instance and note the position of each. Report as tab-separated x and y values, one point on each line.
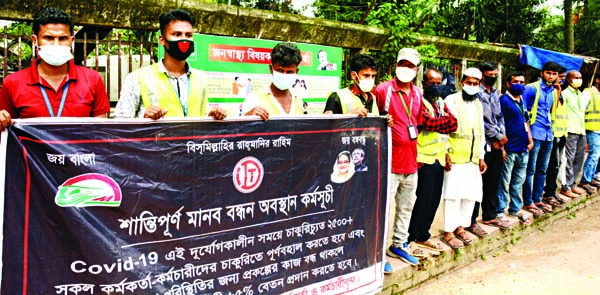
277	97
432	142
463	185
539	104
169	88
592	129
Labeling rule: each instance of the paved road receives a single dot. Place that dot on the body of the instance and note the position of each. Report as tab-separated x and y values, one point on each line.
564	259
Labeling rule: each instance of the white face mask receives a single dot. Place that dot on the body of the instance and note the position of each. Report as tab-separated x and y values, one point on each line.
470	90
577	83
55	55
283	81
366	85
405	74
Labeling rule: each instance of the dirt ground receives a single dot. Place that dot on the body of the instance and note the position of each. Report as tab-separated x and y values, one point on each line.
563	259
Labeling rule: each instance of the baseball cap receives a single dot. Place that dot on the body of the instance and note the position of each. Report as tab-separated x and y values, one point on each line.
409	54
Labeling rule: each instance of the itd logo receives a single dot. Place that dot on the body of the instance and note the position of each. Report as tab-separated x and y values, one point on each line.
247	174
87	190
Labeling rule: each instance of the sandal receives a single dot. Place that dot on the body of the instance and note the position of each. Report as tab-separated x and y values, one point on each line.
477	230
452	241
553	201
526	220
499	222
462	234
430	245
534	210
547	208
416	252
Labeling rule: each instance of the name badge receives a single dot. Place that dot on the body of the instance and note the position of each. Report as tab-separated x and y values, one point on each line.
412	132
526	127
488	148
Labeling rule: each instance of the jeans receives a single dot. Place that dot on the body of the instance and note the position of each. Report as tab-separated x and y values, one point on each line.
490	178
404	188
537	164
589	169
574	152
429	193
511	182
558	148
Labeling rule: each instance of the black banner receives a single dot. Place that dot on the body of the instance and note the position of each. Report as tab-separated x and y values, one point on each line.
194	207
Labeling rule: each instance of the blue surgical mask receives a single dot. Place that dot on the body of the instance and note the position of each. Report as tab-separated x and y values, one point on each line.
516	89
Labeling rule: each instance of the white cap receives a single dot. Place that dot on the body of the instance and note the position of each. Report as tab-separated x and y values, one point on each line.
409	54
473	72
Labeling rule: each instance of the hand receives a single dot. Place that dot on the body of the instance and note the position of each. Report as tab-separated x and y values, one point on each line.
503	155
155	112
390	120
419	164
503	141
448	165
259	111
217	113
360	111
328	113
496	145
482	166
529	145
5	120
557	86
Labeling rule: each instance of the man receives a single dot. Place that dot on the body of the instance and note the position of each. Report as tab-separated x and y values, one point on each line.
592	127
539	98
559	127
324	64
401	99
464	161
169	88
276	98
358	158
495	138
53	86
437	122
576	140
517	148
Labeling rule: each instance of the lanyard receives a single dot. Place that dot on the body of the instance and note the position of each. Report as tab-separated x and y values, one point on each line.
62	101
519	106
408	112
184	109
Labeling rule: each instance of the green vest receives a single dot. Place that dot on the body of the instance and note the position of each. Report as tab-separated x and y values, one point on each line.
592	114
558	112
575	111
349	102
156	89
465	143
266	101
431	145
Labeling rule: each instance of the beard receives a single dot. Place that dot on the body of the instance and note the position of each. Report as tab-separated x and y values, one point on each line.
467	97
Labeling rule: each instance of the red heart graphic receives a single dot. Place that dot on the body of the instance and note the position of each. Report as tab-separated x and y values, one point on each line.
184	46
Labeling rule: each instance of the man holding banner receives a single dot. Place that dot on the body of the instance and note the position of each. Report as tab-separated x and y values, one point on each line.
53	86
169	88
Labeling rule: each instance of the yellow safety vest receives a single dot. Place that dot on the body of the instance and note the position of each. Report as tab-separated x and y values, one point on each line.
465	143
155	88
592	114
349	102
266	101
558	115
431	145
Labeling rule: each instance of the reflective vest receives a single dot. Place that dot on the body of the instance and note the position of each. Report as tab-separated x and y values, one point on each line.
156	89
592	114
465	143
558	112
270	103
349	102
431	145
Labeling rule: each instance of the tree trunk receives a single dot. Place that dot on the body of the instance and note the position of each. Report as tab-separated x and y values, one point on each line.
569	32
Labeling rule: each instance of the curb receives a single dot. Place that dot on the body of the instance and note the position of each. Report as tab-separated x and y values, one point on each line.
406	277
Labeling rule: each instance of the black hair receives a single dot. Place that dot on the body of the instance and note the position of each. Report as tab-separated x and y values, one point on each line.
488	65
286	54
51	15
430	70
174	14
562	70
551	66
513	74
362	61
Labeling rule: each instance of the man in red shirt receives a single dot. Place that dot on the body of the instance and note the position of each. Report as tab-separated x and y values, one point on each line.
53	86
401	99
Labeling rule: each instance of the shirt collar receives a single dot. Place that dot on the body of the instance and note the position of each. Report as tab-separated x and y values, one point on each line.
35	75
492	89
396	85
163	69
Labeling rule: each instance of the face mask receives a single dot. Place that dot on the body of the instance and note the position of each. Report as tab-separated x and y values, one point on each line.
283	81
516	89
366	85
548	82
432	91
405	74
180	49
470	90
576	83
55	55
489	80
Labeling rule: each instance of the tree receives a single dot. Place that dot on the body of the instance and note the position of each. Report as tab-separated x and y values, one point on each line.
273	5
569	31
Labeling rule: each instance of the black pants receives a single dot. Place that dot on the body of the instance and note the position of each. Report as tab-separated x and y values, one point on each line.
558	148
491	180
429	193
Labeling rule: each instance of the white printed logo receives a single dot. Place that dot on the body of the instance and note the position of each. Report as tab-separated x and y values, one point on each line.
248	174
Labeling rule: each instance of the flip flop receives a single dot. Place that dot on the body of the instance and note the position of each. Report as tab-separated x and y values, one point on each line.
534	210
430	245
477	230
526	220
416	252
498	222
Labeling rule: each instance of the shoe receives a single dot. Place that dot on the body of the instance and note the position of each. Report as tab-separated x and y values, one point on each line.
387	268
547	208
553	201
588	188
569	193
402	254
595	183
578	190
533	209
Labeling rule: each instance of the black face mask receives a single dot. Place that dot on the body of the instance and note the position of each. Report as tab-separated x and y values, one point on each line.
489	80
180	49
468	97
432	91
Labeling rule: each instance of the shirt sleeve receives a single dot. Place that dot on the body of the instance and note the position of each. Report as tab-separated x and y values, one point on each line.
443	124
499	119
482	145
129	100
529	96
6	100
333	104
101	104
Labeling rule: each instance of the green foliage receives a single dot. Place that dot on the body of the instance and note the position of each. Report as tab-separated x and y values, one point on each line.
272	5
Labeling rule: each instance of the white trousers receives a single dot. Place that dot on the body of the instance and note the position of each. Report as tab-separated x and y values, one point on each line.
457	213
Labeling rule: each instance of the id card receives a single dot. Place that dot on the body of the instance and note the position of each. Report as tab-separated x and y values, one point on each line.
526	127
412	132
488	148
